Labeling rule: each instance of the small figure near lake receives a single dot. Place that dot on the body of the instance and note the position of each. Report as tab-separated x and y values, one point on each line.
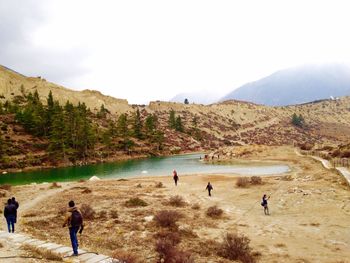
209	188
74	221
264	204
175	177
10	213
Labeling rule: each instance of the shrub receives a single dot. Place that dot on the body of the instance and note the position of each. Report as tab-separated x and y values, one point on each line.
196	206
255	180
102	214
134	202
6	187
139	186
62	210
236	247
121	256
86	191
113	214
242	182
159	185
87	212
173	237
55	185
167	218
177	201
214	212
170	254
42	253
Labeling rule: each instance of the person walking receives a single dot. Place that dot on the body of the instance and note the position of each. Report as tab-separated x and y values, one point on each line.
175	177
10	215
265	205
16	204
209	188
74	221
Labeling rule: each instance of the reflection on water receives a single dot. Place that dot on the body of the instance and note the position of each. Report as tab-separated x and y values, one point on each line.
184	164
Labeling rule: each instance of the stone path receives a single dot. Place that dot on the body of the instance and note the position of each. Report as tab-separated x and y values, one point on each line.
65	252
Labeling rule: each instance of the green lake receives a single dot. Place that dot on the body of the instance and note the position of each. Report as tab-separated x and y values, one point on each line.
154	166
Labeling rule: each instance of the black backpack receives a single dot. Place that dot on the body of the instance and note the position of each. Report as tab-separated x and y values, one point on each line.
76	218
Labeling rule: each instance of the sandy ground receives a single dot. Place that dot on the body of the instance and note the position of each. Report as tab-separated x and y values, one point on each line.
309	221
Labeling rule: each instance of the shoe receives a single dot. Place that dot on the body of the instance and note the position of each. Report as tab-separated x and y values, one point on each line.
74	255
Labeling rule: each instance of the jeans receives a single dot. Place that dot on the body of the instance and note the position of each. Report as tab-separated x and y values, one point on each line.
74	239
11	222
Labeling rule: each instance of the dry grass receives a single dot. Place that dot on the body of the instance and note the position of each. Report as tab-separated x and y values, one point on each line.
167	218
113	214
42	253
31	214
159	185
177	201
122	256
6	187
236	247
86	191
135	202
168	253
214	212
242	182
255	180
196	206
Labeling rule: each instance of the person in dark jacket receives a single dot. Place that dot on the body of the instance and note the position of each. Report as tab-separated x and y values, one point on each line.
264	204
74	221
10	215
16	205
175	177
209	188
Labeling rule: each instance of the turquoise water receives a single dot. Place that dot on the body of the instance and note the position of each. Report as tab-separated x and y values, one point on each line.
155	166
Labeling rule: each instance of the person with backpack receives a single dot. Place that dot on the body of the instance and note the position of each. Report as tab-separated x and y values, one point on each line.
16	204
10	215
209	188
175	177
74	221
264	204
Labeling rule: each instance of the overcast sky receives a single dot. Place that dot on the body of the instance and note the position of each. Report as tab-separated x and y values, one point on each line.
149	50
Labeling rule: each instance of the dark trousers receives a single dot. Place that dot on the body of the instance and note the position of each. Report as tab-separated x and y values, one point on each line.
74	239
209	192
175	181
11	222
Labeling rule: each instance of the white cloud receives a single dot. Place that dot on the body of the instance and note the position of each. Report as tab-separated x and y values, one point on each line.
148	50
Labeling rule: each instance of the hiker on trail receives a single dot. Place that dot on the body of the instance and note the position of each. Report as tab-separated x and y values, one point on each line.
10	215
264	204
175	177
209	188
16	204
74	220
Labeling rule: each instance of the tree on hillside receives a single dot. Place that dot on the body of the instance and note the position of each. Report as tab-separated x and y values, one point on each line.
298	120
137	125
150	124
122	127
102	113
172	120
186	101
178	124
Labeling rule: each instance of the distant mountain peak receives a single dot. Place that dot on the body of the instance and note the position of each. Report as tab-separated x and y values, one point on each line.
296	85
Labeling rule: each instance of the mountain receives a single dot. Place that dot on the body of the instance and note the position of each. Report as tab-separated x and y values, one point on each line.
296	85
199	97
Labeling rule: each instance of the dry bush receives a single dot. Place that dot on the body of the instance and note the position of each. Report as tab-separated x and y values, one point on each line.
42	253
173	237
168	253
167	218
306	146
196	206
113	214
55	185
2	193
214	212
159	185
255	180
122	256
87	212
134	202
236	247
177	201
139	186
86	191
242	182
102	214
81	181
6	187
30	214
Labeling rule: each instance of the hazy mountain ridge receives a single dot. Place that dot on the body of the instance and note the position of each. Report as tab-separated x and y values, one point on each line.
296	85
199	97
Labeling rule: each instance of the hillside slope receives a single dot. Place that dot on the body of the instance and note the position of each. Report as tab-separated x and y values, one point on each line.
205	127
296	85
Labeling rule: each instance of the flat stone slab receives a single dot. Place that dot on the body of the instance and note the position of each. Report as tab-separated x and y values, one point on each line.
50	246
110	260
87	256
29	241
37	243
345	172
62	250
20	239
97	258
53	247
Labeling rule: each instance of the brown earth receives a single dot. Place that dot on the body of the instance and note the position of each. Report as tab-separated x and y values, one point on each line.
309	207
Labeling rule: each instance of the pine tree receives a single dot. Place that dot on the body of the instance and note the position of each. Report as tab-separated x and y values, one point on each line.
137	125
178	124
172	120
